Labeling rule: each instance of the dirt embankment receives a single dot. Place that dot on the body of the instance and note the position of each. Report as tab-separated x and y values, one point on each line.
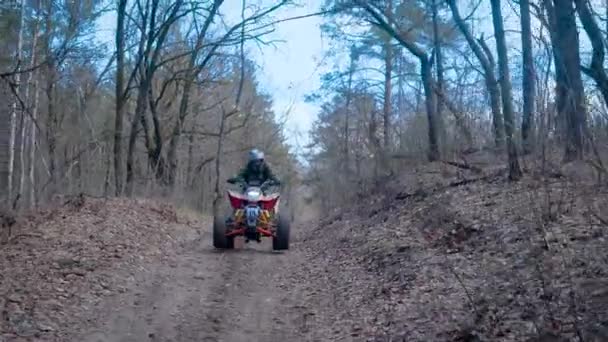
461	256
61	264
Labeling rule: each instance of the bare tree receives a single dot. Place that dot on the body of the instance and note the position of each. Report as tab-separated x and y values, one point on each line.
153	39
439	67
529	79
487	63
13	118
389	26
505	85
193	71
596	70
120	93
570	93
388	76
51	78
30	124
346	114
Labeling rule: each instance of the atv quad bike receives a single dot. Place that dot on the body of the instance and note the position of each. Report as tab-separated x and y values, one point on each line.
255	215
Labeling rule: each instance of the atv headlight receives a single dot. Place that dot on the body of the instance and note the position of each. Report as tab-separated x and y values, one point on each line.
253	195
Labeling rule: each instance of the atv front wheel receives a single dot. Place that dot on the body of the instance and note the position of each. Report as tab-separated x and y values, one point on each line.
220	240
281	240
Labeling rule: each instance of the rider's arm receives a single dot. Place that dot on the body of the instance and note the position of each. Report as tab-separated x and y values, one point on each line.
240	177
270	176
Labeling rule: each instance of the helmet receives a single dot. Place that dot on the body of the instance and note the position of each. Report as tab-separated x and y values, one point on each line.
256	155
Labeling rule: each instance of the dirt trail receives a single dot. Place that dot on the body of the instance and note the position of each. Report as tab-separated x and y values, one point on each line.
205	295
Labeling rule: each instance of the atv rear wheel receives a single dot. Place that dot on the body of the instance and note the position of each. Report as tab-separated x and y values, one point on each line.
281	240
220	240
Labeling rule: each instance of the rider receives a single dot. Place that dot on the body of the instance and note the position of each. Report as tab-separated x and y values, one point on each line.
256	171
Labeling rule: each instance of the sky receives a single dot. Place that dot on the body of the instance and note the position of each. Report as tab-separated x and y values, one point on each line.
288	70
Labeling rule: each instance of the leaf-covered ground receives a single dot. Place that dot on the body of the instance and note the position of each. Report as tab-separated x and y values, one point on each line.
63	263
462	256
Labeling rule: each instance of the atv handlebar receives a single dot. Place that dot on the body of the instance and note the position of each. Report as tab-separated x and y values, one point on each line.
244	184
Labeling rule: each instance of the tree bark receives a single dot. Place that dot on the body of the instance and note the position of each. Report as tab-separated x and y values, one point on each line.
346	128
33	198
52	120
218	163
430	103
596	70
188	181
529	79
29	124
121	96
487	64
505	86
140	108
388	89
13	117
570	94
438	64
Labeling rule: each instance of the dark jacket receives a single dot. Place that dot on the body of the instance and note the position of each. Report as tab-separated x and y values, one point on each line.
249	175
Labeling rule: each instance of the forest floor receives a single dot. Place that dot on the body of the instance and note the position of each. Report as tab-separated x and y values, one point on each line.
120	270
442	254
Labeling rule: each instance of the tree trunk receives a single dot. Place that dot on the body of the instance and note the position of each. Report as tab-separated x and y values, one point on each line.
429	93
346	128
439	66
177	129
375	144
190	160
487	63
388	91
13	117
155	157
555	119
570	94
121	96
33	198
505	86
51	123
22	148
529	79
140	109
29	124
596	70
218	162
51	129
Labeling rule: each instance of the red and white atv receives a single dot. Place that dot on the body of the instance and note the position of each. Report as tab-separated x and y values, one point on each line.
255	215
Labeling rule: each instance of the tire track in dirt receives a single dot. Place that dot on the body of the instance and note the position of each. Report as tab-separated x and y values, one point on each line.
164	301
205	295
260	307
